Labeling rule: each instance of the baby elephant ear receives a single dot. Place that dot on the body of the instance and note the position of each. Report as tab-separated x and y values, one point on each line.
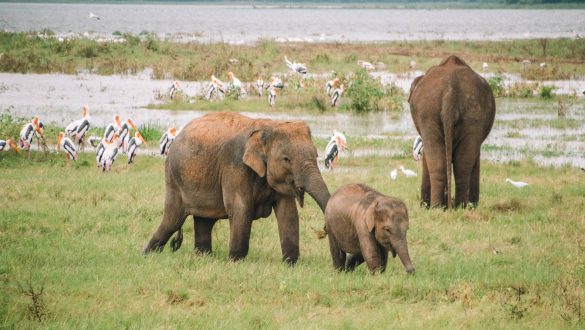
254	153
370	216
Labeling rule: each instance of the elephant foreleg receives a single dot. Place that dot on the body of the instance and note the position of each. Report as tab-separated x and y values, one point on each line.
337	255
203	230
240	229
383	258
287	217
173	219
371	254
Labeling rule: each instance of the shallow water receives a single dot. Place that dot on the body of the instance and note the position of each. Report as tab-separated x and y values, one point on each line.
245	24
59	98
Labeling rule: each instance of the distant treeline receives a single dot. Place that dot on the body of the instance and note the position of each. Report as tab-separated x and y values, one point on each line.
323	2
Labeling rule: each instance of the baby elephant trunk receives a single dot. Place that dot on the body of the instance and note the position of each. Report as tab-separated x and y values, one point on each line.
401	248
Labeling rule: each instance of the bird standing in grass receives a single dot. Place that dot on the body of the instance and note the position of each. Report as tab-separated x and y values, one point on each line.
393	174
336	145
408	173
28	132
272	96
260	86
366	65
331	85
112	128
417	148
109	154
517	184
124	134
485	67
295	66
174	89
337	94
6	145
167	139
215	89
133	145
78	128
64	143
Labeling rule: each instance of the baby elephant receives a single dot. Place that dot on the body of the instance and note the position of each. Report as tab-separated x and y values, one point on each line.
366	225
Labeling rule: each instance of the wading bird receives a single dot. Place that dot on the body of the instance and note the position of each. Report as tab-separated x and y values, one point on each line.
260	86
133	145
295	66
28	131
109	154
167	139
236	84
417	148
124	134
394	174
366	65
337	144
65	144
331	85
408	173
336	95
485	67
78	128
412	65
112	128
517	184
215	89
6	145
174	89
272	96
94	16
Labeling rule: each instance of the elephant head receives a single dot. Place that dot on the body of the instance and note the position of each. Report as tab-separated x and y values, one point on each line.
287	157
388	218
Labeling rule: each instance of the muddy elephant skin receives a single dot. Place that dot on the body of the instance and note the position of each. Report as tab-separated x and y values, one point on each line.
453	109
365	225
228	166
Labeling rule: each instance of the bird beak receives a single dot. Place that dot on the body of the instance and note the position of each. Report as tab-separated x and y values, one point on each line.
117	118
59	141
132	124
141	138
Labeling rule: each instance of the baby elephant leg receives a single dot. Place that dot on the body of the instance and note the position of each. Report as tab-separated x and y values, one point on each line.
353	260
337	255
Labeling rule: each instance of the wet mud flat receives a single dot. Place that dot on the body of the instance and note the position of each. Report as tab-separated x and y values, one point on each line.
525	129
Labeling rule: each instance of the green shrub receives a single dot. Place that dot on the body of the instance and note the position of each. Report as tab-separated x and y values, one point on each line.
497	85
546	92
365	92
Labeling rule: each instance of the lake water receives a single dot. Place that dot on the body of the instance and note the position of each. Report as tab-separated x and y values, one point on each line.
245	24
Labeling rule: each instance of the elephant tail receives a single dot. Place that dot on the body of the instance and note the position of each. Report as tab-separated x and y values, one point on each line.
449	117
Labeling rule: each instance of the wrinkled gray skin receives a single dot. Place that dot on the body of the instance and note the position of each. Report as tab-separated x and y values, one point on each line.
453	109
228	166
363	224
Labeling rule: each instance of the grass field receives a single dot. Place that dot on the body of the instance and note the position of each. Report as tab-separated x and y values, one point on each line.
28	53
70	241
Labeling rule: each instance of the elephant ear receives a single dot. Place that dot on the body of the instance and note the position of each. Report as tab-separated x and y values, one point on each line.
370	216
254	154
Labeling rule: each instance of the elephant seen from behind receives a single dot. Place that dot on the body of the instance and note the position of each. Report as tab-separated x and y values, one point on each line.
453	109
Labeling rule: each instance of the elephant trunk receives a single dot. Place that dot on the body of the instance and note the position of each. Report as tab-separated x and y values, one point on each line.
314	185
401	248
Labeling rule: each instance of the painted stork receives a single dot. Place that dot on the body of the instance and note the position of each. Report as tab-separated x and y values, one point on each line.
336	145
296	67
133	145
78	128
417	148
167	139
174	89
331	85
215	88
260	86
6	145
64	143
28	131
112	128
108	153
272	96
336	95
124	134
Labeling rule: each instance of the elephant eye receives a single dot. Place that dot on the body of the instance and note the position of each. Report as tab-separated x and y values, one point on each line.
286	159
387	228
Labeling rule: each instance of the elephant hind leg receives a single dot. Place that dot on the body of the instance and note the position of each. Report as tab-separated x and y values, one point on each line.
203	230
173	218
474	184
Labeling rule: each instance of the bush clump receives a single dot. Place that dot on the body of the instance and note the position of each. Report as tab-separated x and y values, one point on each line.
365	92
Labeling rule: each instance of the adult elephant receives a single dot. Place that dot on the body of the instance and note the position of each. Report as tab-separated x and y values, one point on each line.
453	109
226	165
